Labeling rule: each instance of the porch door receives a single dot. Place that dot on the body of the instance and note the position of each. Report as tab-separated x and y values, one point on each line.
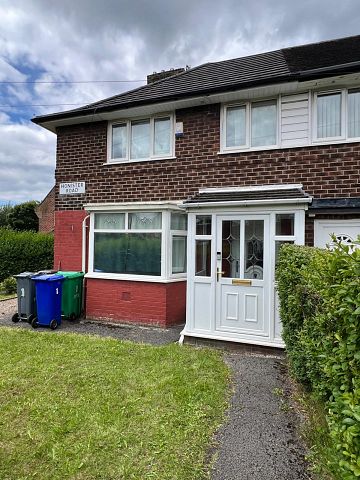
243	275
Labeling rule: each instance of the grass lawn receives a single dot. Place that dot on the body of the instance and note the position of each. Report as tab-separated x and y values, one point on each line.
84	407
7	296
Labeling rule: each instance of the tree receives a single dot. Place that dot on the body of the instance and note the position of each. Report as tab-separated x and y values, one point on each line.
23	217
5	211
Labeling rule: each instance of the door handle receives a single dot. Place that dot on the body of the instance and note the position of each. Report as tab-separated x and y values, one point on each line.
219	273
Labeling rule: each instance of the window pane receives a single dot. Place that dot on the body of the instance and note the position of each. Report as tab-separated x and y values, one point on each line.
235	126
203	224
136	253
354	113
145	221
254	249
329	115
178	221
285	224
278	244
114	221
178	254
203	258
231	248
263	124
162	136
140	139
119	141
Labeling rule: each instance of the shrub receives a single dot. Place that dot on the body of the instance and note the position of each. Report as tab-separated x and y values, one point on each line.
319	294
24	251
8	285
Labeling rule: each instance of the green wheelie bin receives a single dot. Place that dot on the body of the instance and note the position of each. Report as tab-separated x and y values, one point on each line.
72	291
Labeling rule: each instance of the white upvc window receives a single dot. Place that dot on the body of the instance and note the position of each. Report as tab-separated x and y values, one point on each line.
138	244
250	125
141	139
329	115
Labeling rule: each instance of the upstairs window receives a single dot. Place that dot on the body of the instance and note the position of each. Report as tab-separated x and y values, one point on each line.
328	114
143	139
354	113
251	125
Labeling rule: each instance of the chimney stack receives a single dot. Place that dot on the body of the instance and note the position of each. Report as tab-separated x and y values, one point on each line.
154	77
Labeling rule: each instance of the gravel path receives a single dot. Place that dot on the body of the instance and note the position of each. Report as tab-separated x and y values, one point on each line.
259	439
151	335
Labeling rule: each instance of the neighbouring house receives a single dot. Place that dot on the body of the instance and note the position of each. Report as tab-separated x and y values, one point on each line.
176	196
45	212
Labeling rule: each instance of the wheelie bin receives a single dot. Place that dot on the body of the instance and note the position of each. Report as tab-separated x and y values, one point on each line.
48	300
71	303
26	310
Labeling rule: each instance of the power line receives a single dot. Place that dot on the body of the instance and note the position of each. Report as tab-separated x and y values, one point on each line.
42	105
68	82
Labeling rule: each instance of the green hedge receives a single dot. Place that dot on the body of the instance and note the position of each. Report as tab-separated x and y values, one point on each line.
319	294
24	251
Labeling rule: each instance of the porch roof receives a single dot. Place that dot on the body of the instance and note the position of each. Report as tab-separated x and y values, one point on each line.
253	195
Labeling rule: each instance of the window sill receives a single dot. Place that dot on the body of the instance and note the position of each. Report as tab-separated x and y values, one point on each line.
133	278
124	162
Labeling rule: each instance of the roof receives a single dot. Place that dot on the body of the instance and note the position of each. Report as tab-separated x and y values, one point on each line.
249	195
295	63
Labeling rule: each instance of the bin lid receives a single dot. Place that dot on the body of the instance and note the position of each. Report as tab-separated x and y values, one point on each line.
25	275
46	272
70	274
48	278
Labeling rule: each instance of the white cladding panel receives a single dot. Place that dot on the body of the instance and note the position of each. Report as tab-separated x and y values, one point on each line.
294	123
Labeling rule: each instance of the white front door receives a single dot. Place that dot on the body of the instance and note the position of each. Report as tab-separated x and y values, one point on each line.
243	275
346	231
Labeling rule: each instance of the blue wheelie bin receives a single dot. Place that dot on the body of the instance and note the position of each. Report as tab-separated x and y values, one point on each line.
48	301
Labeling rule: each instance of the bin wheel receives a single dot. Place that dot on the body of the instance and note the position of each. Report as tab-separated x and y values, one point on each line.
31	318
34	322
15	318
53	324
72	316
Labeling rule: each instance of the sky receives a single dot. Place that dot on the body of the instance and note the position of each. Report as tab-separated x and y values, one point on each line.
94	41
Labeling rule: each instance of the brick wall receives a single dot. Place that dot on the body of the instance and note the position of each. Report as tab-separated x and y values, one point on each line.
46	212
68	240
325	171
158	304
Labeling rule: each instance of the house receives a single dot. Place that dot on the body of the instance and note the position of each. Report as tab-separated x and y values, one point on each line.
45	212
178	194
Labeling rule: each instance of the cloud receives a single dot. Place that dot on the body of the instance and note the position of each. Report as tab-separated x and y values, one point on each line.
127	39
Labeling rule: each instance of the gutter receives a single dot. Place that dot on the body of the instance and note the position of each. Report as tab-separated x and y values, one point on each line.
247	203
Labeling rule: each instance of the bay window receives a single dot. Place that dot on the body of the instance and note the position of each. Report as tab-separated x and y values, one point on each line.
138	243
142	139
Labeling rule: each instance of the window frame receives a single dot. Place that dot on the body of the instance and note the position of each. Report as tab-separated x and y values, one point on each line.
343	115
248	120
167	234
128	123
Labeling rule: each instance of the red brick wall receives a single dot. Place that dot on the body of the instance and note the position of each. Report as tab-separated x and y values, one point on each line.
160	304
46	212
325	171
68	240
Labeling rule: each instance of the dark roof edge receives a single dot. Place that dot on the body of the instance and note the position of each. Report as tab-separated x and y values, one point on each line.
335	203
209	91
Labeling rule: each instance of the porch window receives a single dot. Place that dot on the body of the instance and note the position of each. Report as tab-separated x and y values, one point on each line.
178	226
203	246
284	231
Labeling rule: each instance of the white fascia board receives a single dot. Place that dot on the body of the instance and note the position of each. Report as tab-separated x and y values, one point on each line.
126	206
253	188
246	203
